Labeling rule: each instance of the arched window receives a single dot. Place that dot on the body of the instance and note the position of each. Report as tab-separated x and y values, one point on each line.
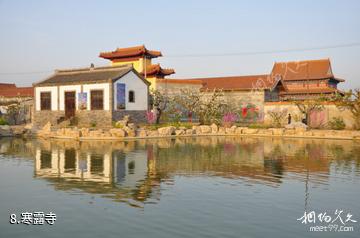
131	96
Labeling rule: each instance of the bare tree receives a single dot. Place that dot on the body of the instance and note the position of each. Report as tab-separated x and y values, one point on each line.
350	100
308	106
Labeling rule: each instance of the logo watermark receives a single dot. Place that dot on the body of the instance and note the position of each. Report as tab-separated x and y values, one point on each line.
337	221
33	218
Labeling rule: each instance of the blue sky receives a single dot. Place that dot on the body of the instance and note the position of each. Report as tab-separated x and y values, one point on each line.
40	36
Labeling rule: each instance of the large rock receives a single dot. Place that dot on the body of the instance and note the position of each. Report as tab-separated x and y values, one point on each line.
205	129
45	131
143	133
129	131
250	131
230	130
214	128
5	130
46	128
166	131
18	130
179	132
277	131
117	132
153	133
190	132
295	125
222	130
84	132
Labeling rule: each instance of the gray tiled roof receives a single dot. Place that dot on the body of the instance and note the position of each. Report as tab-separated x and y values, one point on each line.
85	75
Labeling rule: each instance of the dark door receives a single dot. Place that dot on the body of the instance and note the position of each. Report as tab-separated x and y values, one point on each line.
69	104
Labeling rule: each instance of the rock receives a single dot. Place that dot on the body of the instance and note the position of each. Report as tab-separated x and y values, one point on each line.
265	132
117	132
96	133
84	132
166	131
18	130
153	133
250	131
222	130
124	122
179	132
230	130
132	126
300	130
129	131
28	126
5	130
182	128
190	132
205	129
47	127
60	132
296	125
45	131
277	131
214	128
143	133
240	130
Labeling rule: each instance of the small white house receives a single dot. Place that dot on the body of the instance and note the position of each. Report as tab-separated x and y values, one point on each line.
93	96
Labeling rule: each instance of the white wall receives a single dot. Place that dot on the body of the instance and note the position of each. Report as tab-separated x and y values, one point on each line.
99	86
63	89
133	83
54	97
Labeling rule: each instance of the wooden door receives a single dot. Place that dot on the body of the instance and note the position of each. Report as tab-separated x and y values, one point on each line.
69	104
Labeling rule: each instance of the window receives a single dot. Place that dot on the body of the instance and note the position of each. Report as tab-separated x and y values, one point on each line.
131	96
45	101
97	99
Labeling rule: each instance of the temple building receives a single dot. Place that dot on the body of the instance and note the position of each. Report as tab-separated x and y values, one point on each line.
141	60
93	96
306	79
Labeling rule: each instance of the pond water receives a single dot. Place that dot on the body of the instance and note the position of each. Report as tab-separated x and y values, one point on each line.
185	187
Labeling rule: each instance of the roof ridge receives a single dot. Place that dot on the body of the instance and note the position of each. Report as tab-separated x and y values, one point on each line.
236	76
296	61
92	69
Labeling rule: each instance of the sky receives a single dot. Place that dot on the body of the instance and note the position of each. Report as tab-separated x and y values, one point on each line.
37	37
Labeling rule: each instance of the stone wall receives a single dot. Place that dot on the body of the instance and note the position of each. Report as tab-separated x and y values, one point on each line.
318	119
101	119
135	116
90	118
43	117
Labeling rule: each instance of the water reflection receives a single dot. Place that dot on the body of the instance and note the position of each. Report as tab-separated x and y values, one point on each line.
133	171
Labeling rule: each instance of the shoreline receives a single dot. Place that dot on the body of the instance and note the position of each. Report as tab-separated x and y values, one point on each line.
132	138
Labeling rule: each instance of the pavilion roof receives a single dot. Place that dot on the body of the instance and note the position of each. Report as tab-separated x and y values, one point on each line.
129	52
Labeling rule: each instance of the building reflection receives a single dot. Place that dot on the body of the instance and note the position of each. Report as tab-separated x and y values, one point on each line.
133	171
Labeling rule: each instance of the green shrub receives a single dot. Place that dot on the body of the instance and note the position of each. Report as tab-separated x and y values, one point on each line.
337	123
3	121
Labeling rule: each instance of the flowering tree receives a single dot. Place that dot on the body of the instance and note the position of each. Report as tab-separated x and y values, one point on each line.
189	100
159	103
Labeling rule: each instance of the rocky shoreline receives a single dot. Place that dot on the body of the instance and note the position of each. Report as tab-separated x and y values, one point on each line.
130	133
